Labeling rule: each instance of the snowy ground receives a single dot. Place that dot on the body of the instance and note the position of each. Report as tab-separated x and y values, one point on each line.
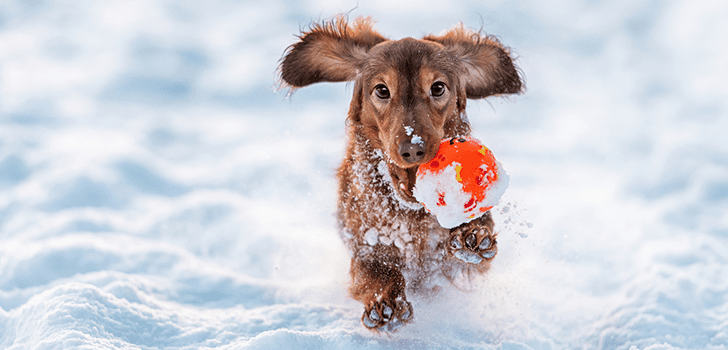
155	192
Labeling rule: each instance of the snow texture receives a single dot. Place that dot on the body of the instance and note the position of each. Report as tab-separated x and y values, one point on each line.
155	192
416	139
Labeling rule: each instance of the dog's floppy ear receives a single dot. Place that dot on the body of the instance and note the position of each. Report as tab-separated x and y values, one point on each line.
486	66
331	51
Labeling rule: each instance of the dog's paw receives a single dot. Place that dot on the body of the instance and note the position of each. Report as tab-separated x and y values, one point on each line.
473	244
387	316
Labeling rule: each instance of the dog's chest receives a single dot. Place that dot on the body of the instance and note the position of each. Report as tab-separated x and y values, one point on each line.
388	219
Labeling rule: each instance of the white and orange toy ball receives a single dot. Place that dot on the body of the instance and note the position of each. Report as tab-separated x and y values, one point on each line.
461	183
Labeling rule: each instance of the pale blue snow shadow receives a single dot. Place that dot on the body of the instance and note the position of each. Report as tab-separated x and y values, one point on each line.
157	74
223	293
85	192
54	264
146	181
715	192
34	113
678	171
13	170
85	260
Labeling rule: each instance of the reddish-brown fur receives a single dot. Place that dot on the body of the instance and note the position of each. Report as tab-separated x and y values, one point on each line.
408	95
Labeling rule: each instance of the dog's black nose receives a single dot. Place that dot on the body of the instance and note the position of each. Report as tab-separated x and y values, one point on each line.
412	152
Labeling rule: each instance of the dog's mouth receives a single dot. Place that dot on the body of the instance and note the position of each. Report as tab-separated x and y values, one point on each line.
403	180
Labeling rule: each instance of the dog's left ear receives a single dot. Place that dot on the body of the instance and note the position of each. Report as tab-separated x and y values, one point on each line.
486	66
329	52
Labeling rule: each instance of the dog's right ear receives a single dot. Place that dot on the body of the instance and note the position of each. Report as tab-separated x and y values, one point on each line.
331	51
486	67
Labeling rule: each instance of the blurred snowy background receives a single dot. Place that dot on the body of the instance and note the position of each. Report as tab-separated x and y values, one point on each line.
156	192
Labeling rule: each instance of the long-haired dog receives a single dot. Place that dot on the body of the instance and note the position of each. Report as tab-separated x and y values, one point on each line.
402	89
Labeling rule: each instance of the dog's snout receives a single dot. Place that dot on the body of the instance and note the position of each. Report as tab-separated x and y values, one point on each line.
412	152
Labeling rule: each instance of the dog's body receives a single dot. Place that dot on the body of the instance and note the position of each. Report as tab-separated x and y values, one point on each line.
408	95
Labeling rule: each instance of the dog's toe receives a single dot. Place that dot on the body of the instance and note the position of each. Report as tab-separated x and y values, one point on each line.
455	243
406	307
371	319
485	243
488	254
471	239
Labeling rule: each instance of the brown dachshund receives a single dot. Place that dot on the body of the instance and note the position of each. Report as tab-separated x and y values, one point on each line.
408	95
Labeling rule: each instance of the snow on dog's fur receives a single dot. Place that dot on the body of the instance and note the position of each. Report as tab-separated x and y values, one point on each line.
408	95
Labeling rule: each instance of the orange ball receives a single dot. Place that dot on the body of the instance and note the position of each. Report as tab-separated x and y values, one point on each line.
462	181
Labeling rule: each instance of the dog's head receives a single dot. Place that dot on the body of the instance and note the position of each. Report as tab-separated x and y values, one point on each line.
409	93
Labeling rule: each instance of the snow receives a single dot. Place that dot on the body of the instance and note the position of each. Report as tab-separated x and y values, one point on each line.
372	236
155	192
416	139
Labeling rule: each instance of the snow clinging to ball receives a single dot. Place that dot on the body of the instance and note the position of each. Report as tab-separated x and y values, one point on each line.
461	183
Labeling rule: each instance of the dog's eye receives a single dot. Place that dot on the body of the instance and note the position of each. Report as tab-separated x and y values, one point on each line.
381	91
438	89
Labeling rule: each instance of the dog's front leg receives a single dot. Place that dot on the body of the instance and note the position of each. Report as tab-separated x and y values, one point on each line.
474	241
378	283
